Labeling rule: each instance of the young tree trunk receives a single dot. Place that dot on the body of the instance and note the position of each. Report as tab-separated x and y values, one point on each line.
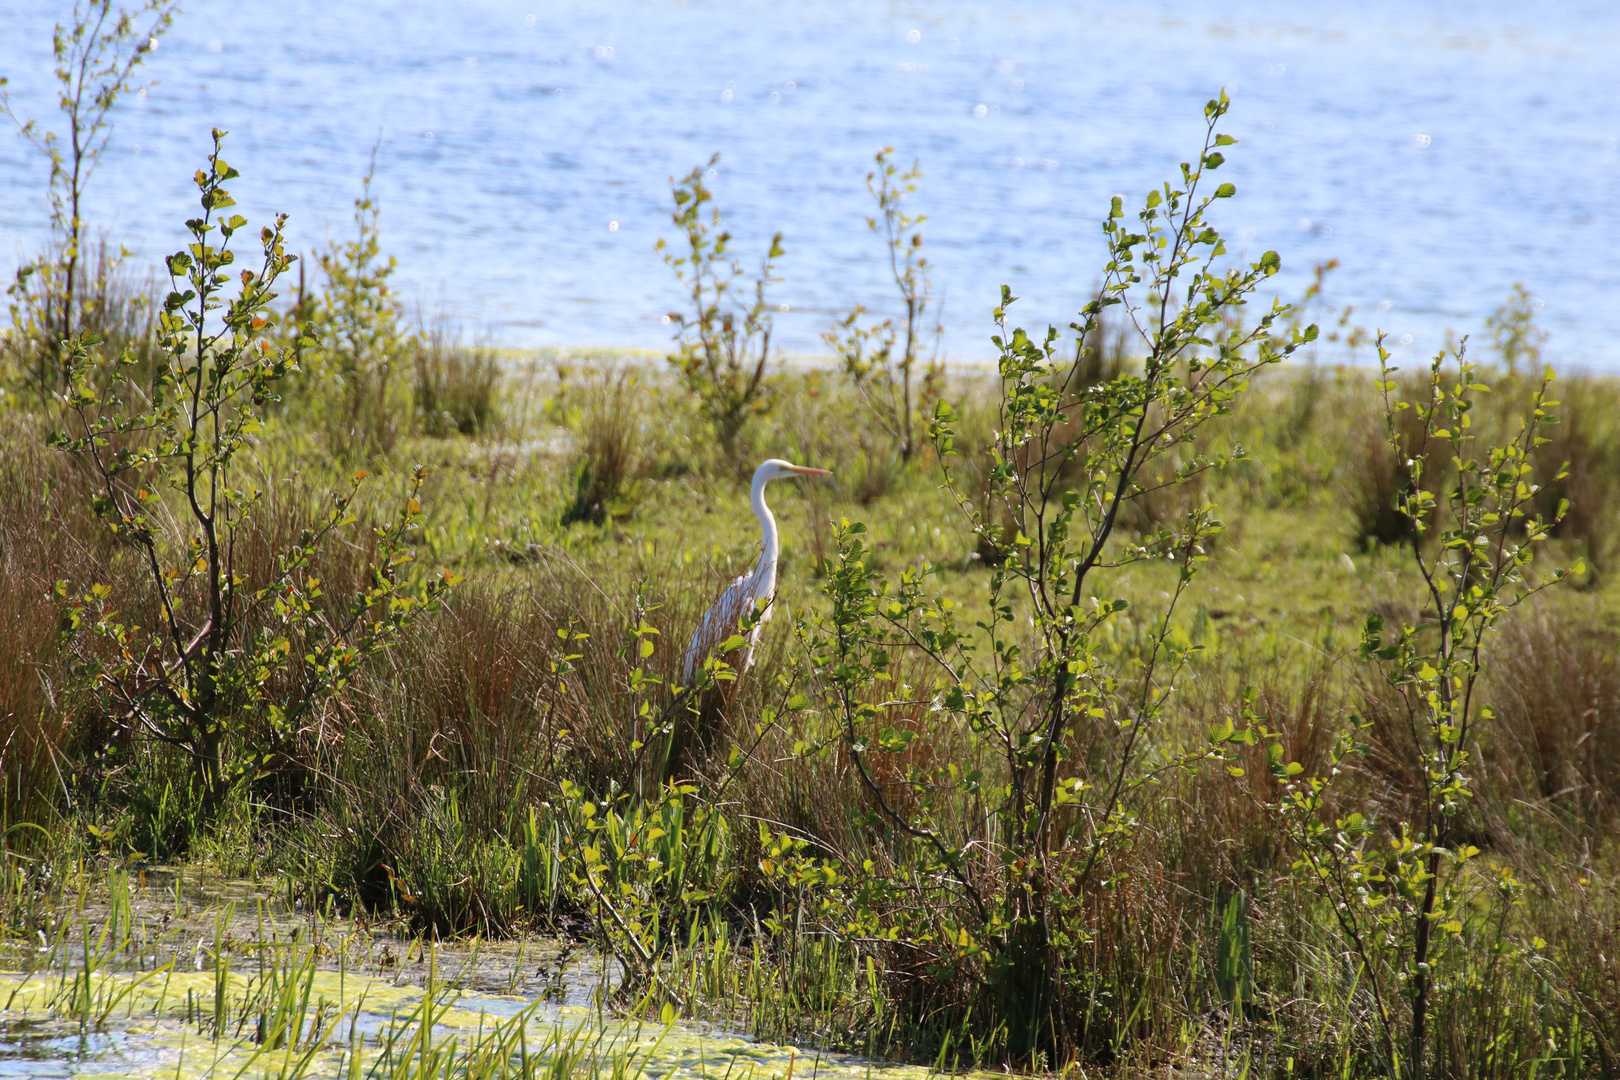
1024	988
906	445
1420	960
211	763
70	286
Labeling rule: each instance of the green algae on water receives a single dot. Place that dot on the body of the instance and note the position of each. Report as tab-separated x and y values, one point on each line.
300	1021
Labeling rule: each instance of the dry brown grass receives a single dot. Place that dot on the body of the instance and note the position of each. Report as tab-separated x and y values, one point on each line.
1553	744
1303	697
47	535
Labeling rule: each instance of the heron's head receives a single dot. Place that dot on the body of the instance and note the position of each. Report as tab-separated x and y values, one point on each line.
776	468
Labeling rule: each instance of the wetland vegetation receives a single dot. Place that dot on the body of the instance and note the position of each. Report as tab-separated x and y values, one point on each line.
1169	700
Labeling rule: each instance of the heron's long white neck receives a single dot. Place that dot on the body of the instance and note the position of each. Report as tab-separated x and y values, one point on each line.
767	536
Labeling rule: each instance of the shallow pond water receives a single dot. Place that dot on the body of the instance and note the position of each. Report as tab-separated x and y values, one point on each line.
377	1022
178	973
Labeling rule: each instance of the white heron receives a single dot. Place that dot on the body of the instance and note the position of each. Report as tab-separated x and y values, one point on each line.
751	589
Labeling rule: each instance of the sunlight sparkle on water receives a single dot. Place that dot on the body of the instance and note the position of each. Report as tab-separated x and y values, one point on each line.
555	129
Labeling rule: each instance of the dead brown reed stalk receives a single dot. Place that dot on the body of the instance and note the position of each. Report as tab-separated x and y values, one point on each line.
1583	918
33	713
47	534
1549	756
1302	695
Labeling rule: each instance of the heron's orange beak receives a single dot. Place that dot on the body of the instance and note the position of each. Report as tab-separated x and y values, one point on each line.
805	470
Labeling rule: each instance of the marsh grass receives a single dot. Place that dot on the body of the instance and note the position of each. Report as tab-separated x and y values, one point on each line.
607	409
116	303
430	791
454	384
1580	465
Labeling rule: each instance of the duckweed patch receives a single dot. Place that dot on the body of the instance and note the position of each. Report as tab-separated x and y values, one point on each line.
277	1008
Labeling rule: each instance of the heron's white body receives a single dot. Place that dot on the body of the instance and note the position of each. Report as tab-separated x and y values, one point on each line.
750	590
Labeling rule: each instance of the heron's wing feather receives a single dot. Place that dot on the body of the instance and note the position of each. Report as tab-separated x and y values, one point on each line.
719	623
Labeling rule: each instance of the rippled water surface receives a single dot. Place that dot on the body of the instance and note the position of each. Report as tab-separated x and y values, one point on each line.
1440	151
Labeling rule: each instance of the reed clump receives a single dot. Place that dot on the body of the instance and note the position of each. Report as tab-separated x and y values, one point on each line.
454	385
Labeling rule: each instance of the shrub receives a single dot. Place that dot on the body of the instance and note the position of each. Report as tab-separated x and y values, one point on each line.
201	646
111	305
1377	473
1006	907
351	346
880	360
1514	332
1404	892
97	52
1100	357
723	344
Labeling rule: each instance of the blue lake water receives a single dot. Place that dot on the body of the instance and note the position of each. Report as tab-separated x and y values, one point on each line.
1440	151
